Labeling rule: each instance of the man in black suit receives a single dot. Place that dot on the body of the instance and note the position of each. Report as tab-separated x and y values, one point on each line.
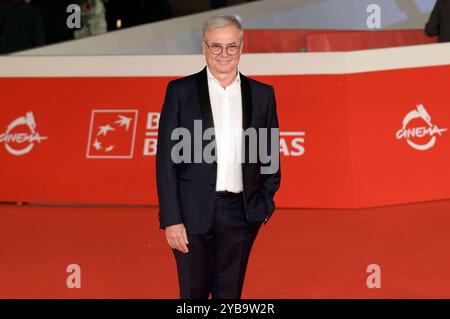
214	198
439	22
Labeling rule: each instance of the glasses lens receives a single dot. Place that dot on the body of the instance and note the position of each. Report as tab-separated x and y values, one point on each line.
232	49
216	49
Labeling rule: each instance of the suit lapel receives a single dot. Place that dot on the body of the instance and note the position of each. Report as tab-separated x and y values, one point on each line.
246	102
208	121
205	102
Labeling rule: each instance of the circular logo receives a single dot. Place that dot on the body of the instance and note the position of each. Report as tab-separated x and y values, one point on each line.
21	135
415	134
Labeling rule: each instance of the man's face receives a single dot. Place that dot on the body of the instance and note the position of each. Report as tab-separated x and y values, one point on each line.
222	63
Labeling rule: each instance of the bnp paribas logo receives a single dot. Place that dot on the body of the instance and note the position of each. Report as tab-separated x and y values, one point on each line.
112	134
418	129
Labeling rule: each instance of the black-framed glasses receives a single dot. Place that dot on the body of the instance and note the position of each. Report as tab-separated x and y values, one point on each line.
217	49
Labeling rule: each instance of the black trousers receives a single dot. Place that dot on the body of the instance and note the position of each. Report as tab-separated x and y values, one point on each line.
217	261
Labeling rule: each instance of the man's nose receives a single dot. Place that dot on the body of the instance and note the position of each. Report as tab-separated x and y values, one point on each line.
224	53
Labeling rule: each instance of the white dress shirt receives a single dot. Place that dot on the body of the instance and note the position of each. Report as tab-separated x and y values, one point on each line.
226	107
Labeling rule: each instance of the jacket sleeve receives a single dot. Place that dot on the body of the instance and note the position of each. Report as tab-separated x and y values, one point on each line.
271	181
166	169
432	27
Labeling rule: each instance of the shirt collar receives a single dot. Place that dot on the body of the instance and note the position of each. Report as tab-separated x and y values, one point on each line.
212	77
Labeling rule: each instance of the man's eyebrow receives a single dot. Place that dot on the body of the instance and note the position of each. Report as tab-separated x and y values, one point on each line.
228	44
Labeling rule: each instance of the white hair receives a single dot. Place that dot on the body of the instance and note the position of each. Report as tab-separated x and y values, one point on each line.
221	21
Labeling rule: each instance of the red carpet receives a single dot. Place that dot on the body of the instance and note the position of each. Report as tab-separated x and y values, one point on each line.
301	253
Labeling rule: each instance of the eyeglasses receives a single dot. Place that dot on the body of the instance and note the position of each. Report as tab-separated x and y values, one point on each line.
217	49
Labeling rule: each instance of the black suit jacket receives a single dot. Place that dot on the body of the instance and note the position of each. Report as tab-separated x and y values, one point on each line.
439	22
186	190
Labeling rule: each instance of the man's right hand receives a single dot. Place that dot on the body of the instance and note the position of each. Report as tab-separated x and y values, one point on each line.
177	237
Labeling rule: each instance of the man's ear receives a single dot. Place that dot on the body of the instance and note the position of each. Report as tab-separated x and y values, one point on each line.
242	46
